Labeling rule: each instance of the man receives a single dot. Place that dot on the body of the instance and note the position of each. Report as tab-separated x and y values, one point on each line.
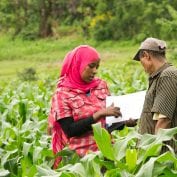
160	106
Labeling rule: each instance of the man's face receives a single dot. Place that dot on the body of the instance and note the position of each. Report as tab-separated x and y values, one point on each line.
147	63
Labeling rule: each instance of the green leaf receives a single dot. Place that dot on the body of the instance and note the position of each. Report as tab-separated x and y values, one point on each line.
12	165
158	169
91	166
22	111
77	169
68	156
47	153
36	153
146	140
4	173
26	148
121	144
131	158
103	141
28	169
147	168
152	150
166	157
106	163
167	172
6	156
113	173
46	171
165	134
123	132
66	174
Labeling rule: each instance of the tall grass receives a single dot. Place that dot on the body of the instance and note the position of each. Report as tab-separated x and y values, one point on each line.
45	55
25	147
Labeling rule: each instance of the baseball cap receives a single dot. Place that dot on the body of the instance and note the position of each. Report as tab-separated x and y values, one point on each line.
152	44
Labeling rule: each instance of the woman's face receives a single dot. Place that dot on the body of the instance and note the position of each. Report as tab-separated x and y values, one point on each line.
90	71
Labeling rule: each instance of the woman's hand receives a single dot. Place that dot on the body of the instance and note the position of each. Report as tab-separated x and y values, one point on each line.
109	111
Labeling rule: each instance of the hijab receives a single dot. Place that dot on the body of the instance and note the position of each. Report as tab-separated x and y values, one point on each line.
74	64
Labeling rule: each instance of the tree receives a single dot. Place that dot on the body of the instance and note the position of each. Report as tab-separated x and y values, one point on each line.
45	22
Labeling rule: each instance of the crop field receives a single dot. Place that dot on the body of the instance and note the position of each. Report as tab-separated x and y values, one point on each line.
28	74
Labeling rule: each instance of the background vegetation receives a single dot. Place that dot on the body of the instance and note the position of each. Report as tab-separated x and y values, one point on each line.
100	19
35	35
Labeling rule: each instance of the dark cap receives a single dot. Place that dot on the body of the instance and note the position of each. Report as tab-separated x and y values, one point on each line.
152	44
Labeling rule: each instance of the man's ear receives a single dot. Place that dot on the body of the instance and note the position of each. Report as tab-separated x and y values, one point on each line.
147	55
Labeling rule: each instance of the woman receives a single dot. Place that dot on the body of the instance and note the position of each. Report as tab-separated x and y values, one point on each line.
79	102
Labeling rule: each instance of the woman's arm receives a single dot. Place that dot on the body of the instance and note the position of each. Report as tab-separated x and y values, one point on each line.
78	128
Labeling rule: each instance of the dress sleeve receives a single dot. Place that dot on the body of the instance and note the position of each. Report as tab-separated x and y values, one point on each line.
72	128
62	107
166	96
59	108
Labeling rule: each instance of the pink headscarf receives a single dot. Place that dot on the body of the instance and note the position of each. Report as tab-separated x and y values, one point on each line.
73	65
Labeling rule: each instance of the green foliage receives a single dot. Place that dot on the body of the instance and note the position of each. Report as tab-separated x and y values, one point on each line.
4	172
168	27
25	148
119	84
123	20
127	161
23	141
104	147
102	20
131	159
28	74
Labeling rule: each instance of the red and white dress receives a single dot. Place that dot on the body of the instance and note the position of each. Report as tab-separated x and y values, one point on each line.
75	103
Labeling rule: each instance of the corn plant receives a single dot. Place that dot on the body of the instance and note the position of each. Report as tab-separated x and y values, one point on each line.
124	153
24	142
25	147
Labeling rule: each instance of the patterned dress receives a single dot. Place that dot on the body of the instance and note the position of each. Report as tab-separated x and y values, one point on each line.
77	104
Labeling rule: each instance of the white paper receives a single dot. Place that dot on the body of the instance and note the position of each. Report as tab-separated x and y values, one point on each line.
130	106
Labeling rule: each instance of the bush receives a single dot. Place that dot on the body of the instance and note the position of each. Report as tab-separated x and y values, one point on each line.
28	74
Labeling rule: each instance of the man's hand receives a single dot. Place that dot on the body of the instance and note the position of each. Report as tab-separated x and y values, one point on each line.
162	123
131	122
